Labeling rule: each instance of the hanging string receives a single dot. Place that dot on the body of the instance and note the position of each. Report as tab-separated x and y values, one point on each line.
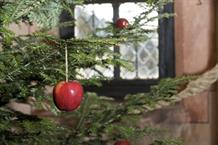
66	63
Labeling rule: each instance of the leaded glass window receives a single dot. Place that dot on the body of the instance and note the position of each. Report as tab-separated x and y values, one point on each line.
151	60
143	56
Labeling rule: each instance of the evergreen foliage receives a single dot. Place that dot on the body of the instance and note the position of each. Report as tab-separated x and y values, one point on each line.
28	63
98	121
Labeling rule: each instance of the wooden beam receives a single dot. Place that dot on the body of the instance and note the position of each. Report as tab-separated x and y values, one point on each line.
214	100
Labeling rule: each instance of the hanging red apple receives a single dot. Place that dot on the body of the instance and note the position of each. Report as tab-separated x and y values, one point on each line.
122	23
68	95
122	142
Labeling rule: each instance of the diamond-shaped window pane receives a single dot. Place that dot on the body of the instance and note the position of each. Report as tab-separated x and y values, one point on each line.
92	16
88	18
128	53
145	59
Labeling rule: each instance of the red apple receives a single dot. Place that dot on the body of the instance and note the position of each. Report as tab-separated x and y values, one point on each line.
122	23
122	142
68	95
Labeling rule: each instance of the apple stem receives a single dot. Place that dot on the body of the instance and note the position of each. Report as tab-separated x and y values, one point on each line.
66	63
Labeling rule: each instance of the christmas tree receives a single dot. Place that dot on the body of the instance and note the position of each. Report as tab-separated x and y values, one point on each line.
29	63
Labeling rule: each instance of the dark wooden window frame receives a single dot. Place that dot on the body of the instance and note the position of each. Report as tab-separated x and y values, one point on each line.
118	87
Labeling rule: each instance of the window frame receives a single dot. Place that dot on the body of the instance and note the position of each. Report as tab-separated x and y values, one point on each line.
118	88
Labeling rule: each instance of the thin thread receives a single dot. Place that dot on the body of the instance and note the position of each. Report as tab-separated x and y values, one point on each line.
66	63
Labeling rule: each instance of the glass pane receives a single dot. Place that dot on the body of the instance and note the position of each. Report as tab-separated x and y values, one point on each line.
148	57
88	18
92	16
128	53
143	56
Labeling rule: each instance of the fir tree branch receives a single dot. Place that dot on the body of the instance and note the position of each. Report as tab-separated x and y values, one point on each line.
85	111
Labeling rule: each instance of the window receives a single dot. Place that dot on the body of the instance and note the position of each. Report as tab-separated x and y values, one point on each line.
151	60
